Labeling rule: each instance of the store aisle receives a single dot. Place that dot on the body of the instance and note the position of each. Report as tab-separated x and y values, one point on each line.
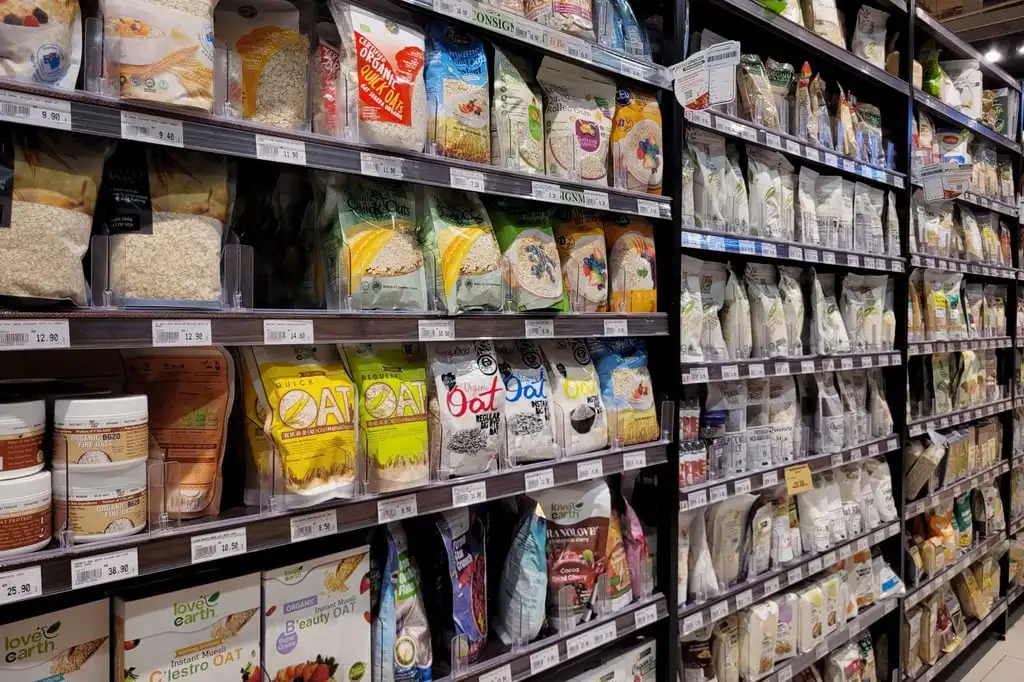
1004	662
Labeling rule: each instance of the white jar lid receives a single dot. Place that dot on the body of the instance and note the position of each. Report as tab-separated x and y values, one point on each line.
88	481
86	411
26	486
24	417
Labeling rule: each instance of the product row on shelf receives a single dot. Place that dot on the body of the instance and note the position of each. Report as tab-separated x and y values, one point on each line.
949	231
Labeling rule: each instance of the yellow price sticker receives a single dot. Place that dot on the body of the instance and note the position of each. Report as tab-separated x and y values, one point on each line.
798	479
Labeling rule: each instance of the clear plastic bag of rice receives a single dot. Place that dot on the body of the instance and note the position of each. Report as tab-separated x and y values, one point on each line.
382	55
793	307
828	331
863	305
41	42
767	319
626	389
468	398
44	233
713	279
530	430
579	235
581	424
691	311
517	116
736	319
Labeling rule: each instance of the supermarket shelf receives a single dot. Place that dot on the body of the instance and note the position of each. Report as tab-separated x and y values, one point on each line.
977	631
929	347
1018	402
844	635
701	494
513	666
818	46
930	586
159	552
1014	593
96	115
1015	526
918	427
710	240
984	202
695	616
921	260
949	492
699	373
952	115
589	53
741	129
135	329
1016	460
948	39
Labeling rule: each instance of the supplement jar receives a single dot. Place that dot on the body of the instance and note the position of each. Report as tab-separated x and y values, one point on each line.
24	514
22	428
100	504
106	433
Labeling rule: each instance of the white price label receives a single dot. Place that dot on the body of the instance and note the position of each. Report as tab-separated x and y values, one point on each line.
471	181
693	623
831	160
19	334
580	644
170	333
595	199
742	486
105	568
588	470
730	372
856	454
846	363
697	499
827	365
436	330
845	552
828	257
604	634
771	586
852	260
781	368
469	493
769	478
269	148
718	493
814	566
878	536
755	370
288	332
698	116
785	674
634	460
892	444
647	208
502	674
867	361
850	165
807	366
381	166
768	250
540	329
811	255
396	509
773	140
861	545
796	253
873	450
538	480
744	599
616	327
698	375
218	545
546	191
719	611
645	616
544	659
837	460
155	129
821	651
315	525
795	576
747	247
21	583
34	110
829	559
460	9
883	360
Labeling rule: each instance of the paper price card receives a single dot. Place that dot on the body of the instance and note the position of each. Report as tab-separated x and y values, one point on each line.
470	493
270	148
645	616
22	583
46	112
315	525
544	659
289	332
502	674
396	509
539	329
798	479
170	333
18	334
707	77
105	568
155	129
218	545
539	480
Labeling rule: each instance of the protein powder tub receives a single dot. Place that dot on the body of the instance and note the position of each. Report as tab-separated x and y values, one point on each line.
100	504
24	514
22	427
108	433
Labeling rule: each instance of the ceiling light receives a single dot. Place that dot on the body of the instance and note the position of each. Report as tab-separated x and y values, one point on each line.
1020	49
993	55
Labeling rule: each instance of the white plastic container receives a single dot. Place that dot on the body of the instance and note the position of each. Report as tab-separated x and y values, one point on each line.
22	429
100	433
25	508
100	504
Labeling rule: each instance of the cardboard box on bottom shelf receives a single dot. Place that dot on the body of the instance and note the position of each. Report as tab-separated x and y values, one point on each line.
635	665
72	645
315	619
209	633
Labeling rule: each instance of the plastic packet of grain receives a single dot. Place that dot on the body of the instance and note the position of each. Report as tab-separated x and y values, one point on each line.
43	45
579	236
631	264
458	94
530	259
626	388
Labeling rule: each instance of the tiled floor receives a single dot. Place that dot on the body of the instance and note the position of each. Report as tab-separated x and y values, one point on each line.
1004	662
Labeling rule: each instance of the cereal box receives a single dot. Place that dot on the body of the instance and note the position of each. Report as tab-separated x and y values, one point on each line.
70	645
203	634
316	619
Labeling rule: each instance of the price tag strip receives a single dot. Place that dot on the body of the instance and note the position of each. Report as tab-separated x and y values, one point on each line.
288	332
218	545
316	525
21	583
105	568
181	333
26	334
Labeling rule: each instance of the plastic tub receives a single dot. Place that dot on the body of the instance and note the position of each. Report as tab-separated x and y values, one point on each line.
22	429
100	504
100	433
25	507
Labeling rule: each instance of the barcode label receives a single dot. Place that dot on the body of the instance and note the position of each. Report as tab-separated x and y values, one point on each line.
595	199
155	129
616	328
288	332
544	659
396	509
436	330
182	333
645	616
588	470
46	112
105	568
769	478
540	329
19	334
472	181
270	148
470	493
381	166
546	191
316	525
634	460
502	674
218	545
538	480
459	9
21	583
647	208
744	599
15	111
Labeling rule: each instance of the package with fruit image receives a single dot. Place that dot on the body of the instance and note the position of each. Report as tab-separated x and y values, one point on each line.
316	619
208	633
70	645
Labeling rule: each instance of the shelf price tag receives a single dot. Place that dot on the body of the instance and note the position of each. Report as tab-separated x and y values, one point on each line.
744	599
771	586
814	566
773	140
755	370
502	674
46	112
645	616
647	208
469	180
595	199
588	470
795	576
769	478
634	460
218	545
697	499
719	611
540	329
436	330
105	568
798	479
316	525
785	674
544	659
288	332
21	583
396	509
381	166
546	191
693	622
19	334
460	9
282	150
538	480
793	147
718	493
155	129
730	372
616	327
742	486
171	333
470	493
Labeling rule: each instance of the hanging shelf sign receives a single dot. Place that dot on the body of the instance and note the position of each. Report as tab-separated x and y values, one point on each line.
708	77
945	180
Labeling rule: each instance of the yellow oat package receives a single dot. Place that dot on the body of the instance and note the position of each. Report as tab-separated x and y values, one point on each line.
392	380
631	264
637	141
310	402
579	236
